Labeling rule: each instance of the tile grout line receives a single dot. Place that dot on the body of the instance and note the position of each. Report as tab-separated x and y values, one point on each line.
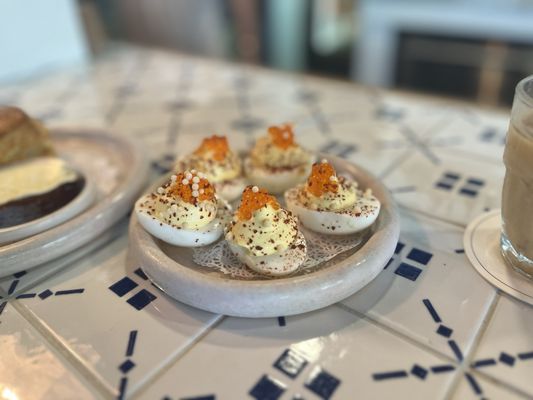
464	365
436	218
150	379
424	139
477	341
87	250
408	153
68	355
398	334
475	345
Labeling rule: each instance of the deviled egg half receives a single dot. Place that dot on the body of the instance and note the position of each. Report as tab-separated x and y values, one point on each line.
332	204
221	166
265	236
184	211
277	162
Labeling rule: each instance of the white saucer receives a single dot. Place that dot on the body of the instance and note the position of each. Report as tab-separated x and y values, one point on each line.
482	247
118	171
83	200
173	270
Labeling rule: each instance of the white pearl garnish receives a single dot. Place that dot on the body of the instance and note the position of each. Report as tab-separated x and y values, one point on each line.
188	175
195	193
324	161
195	186
255	189
201	191
173	178
185	181
196	179
160	190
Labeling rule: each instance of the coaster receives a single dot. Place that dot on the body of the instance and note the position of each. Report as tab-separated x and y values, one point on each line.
482	247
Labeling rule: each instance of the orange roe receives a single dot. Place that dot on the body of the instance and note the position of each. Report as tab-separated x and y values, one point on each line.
214	146
282	136
252	201
185	191
319	181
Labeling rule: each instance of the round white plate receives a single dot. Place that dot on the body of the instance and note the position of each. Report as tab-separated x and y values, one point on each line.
482	247
173	270
118	171
83	200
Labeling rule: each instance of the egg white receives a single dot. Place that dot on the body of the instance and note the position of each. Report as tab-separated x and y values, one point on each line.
184	237
339	222
276	182
277	264
231	189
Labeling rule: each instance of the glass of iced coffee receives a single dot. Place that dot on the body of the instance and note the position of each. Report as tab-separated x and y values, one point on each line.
517	195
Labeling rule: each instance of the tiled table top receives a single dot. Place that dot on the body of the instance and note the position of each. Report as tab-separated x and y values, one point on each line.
90	325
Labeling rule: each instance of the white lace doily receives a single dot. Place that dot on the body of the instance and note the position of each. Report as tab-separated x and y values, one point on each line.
320	248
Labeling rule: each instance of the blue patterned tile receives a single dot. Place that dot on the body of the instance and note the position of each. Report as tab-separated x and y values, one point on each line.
267	388
290	363
322	383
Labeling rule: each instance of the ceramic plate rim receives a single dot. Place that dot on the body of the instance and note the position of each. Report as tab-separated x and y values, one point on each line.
83	200
386	236
28	253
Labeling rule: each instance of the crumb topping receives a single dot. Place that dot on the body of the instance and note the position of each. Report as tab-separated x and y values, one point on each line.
252	200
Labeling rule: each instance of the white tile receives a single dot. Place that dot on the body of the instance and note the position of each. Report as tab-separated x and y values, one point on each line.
474	132
414	293
30	368
475	387
506	348
96	324
246	358
453	187
23	280
431	233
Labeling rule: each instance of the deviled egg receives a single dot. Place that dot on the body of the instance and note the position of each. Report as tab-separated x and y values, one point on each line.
277	162
220	165
265	236
332	204
184	211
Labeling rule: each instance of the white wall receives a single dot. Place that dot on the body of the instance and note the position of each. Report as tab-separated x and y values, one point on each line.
39	35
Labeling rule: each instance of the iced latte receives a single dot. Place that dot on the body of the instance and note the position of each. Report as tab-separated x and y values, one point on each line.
517	195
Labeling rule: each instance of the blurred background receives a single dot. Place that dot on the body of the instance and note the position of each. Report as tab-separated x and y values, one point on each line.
470	49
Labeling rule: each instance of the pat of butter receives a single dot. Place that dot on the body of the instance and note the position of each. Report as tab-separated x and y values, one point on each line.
33	177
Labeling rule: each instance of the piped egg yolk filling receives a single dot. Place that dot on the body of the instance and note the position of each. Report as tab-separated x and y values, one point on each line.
279	149
324	191
215	146
186	201
262	226
282	136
